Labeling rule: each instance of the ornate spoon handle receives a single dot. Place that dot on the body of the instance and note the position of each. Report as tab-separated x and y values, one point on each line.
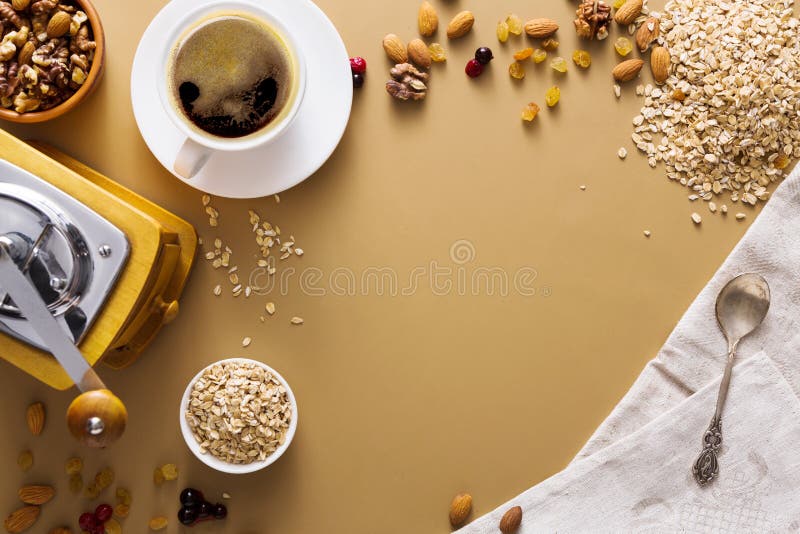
706	467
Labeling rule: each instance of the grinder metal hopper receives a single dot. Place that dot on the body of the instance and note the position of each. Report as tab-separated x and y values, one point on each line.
108	265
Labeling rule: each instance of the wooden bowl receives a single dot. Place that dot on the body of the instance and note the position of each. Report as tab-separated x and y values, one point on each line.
92	80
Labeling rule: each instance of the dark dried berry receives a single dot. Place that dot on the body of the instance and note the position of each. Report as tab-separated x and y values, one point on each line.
187	516
484	55
220	511
103	512
358	80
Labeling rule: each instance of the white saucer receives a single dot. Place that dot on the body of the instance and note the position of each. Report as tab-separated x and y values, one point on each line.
297	153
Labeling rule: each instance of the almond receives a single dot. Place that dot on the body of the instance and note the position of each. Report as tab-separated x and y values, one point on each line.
427	19
627	70
395	48
541	28
35	418
628	12
511	520
659	63
58	25
22	519
20	5
647	33
460	509
26	53
419	54
36	494
460	25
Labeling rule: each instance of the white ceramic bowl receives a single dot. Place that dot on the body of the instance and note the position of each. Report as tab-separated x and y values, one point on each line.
220	465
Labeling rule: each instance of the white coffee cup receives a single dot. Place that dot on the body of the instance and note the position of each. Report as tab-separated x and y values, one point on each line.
201	145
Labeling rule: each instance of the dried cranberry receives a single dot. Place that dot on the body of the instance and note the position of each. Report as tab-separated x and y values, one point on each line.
358	65
473	68
103	512
87	521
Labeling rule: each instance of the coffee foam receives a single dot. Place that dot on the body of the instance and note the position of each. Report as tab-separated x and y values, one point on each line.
227	58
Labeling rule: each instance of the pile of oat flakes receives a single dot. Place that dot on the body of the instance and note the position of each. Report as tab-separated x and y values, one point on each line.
726	121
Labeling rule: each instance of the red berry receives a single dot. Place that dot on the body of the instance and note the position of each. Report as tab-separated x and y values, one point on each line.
358	65
87	521
103	512
473	68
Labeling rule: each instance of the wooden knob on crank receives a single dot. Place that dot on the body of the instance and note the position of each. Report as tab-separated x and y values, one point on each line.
97	418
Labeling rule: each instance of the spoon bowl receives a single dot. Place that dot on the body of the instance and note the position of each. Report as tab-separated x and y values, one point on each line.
742	305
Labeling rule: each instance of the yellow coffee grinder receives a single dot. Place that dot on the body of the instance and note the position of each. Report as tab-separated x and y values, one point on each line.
89	272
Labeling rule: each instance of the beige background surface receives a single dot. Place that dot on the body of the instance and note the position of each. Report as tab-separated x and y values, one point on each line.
404	400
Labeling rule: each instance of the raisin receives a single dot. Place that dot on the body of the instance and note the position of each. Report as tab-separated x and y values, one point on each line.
73	466
438	53
618	3
559	64
552	96
530	111
158	476
516	70
525	53
75	483
158	523
170	471
25	460
550	44
502	31
123	496
781	162
582	58
678	95
514	24
122	510
539	55
623	46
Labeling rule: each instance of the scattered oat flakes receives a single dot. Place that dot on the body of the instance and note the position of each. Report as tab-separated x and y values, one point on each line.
712	207
297	320
724	208
277	199
218	290
617	90
226	495
696	218
622	152
583	188
647	233
246	342
206	200
740	216
270	307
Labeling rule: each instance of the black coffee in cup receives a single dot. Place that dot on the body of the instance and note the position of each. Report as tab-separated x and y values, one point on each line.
231	76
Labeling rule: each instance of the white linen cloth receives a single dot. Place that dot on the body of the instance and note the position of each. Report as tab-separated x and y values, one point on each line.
634	474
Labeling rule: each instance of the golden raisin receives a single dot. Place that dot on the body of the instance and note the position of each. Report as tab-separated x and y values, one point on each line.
781	162
92	491
502	31
75	483
623	46
559	64
25	460
158	523
73	466
104	478
552	96
158	476
550	44
525	53
112	526
678	95
170	471
122	510
618	3
582	58
438	53
530	111
514	25
123	496
539	55
516	70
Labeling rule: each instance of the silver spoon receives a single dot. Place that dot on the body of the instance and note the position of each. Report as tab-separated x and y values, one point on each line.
741	307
